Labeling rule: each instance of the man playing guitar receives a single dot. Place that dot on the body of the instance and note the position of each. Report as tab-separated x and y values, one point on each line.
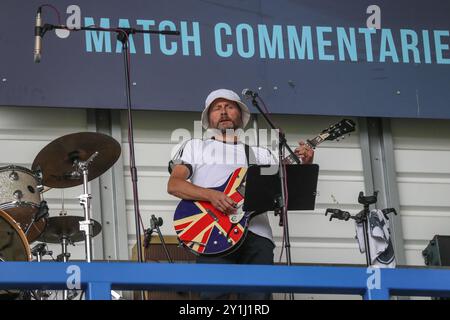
209	163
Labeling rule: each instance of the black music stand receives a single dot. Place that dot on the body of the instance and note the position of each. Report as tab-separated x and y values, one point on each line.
263	191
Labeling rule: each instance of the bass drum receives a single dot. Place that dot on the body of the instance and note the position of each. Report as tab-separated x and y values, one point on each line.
13	247
21	199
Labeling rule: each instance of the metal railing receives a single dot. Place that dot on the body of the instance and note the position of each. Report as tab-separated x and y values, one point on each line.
99	278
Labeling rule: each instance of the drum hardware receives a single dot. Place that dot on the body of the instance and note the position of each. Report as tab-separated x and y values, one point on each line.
41	294
65	231
69	161
44	189
40	187
20	198
85	202
67	227
71	294
13	176
64	257
40	250
38	173
40	214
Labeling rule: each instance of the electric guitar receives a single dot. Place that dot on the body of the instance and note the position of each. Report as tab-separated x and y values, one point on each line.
205	230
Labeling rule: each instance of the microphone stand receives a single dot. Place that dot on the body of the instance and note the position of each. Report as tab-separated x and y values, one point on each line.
155	223
122	36
282	146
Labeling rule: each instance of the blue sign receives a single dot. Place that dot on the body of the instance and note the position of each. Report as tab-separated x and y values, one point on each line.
350	57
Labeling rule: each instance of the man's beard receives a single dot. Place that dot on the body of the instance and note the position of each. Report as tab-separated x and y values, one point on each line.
228	128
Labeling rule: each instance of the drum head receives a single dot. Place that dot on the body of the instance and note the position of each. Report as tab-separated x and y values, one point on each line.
13	243
23	213
13	247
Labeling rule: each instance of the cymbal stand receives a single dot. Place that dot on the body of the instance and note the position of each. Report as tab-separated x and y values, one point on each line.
64	257
39	251
85	201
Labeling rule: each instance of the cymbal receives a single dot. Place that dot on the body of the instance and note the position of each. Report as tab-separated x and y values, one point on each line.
66	226
56	160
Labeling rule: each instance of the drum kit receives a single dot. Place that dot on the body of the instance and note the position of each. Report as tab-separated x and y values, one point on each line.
69	161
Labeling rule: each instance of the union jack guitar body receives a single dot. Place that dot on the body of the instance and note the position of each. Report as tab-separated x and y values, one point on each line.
207	231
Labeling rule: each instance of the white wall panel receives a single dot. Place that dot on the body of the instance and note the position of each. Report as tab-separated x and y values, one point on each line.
422	160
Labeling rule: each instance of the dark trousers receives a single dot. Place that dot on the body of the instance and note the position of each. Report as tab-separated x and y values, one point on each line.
254	250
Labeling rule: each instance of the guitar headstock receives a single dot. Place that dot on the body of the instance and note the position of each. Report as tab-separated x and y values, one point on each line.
334	132
338	130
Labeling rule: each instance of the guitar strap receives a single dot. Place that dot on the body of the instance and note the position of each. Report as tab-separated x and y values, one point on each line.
250	155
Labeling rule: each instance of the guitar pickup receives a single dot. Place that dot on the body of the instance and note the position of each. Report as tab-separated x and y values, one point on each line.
216	219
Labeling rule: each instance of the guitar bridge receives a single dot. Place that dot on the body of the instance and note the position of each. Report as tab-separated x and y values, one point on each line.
192	243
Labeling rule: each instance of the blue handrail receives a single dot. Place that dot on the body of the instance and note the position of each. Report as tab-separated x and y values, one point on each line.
99	278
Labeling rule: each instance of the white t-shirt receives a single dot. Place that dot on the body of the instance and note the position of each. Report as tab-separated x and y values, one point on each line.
211	163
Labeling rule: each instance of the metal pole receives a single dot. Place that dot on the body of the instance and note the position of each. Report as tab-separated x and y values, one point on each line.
366	240
284	207
134	179
65	259
86	224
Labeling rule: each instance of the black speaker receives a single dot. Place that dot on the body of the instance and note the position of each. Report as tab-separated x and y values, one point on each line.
437	253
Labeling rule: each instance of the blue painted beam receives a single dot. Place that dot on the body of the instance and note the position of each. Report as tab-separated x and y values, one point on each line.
100	277
98	291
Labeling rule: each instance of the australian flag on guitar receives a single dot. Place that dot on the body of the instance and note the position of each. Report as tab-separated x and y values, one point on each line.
206	230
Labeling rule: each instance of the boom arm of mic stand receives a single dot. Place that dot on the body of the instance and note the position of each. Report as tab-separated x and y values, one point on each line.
48	27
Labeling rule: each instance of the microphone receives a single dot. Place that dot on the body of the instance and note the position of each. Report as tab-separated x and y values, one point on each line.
249	93
38	38
156	222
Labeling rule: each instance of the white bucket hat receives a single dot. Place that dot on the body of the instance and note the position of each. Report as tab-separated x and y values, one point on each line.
228	95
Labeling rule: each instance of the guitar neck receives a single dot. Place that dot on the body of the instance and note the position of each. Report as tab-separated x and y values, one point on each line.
292	158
